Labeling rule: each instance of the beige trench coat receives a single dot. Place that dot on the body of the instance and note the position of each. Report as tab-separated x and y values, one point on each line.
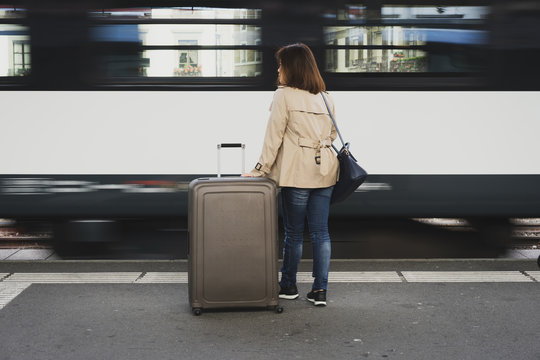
297	148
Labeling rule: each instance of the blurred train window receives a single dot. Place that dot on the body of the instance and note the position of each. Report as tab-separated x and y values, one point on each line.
177	42
205	34
12	12
177	13
398	39
352	12
440	13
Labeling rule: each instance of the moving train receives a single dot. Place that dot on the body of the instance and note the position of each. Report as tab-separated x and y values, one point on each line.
111	108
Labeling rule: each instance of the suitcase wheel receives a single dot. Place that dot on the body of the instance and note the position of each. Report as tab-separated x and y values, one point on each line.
278	309
196	311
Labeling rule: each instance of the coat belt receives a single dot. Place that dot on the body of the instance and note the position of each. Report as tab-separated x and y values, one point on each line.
314	144
323	151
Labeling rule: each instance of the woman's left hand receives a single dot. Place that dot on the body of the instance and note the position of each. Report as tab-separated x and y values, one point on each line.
248	175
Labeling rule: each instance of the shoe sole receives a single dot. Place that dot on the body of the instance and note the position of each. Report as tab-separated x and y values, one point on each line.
288	297
317	303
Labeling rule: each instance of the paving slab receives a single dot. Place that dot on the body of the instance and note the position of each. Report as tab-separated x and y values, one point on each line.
31	254
450	321
513	254
5	253
357	265
10	291
465	276
74	278
54	256
530	254
535	275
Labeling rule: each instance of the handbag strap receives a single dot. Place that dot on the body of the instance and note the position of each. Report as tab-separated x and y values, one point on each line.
346	146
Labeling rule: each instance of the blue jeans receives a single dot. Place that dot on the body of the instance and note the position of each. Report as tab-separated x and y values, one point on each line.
297	204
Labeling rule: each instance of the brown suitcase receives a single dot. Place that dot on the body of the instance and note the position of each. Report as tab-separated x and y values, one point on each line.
233	244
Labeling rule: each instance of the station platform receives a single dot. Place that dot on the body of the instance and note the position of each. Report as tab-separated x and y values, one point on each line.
47	254
402	309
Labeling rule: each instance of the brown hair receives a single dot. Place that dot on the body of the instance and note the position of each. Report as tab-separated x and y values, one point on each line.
299	68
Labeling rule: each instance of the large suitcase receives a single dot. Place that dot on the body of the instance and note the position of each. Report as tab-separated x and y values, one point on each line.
233	244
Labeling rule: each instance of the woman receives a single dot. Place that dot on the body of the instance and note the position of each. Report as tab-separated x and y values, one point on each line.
297	155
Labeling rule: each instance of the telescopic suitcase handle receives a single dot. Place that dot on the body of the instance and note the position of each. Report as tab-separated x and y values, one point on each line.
230	145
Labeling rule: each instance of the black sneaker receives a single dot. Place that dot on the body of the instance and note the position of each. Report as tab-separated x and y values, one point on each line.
318	298
289	293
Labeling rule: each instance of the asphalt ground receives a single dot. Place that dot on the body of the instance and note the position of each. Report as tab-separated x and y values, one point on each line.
419	309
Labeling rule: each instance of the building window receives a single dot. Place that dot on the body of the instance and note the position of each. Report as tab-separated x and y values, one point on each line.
188	63
243	54
258	54
21	58
348	52
14	42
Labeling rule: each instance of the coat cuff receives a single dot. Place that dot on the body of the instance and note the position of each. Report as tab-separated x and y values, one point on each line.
262	168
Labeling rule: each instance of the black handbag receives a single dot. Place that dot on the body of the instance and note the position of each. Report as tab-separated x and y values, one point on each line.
351	175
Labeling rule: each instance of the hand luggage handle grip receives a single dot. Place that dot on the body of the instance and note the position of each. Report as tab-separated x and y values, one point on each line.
230	145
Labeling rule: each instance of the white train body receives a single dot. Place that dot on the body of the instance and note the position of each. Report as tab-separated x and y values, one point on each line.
166	132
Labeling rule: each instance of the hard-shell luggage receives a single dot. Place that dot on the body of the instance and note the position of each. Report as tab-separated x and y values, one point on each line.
233	247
